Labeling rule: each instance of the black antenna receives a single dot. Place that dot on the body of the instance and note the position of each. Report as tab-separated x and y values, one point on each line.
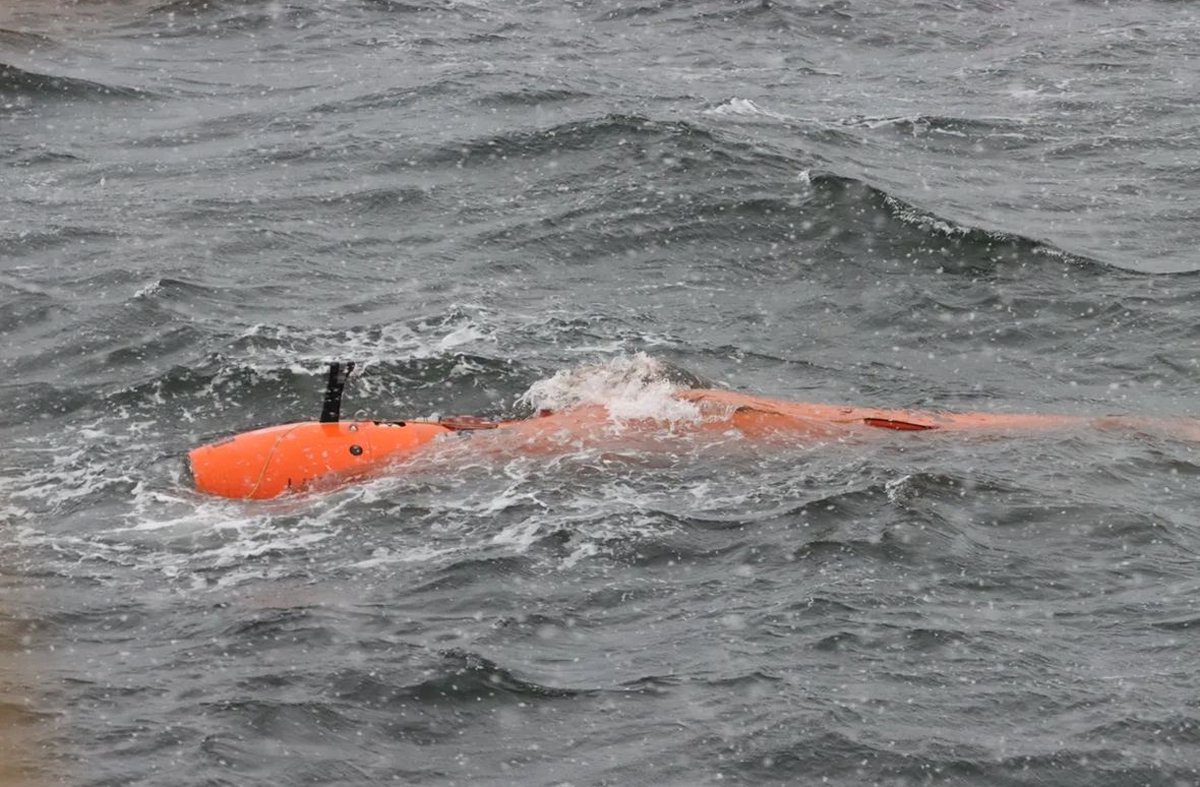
339	373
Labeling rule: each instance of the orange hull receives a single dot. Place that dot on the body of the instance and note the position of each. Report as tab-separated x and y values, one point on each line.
761	414
268	462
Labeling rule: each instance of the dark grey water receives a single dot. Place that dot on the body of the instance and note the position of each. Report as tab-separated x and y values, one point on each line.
983	205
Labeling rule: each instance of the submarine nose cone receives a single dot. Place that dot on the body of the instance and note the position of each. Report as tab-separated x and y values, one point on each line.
230	468
268	462
257	465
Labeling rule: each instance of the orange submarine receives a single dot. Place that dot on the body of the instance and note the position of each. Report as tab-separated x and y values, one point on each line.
269	462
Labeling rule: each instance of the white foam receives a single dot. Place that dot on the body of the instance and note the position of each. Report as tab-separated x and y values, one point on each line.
465	325
910	215
421	553
465	334
146	290
743	107
628	386
521	534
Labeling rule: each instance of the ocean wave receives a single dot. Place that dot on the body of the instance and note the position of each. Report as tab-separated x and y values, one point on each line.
612	129
975	249
361	204
531	97
393	97
917	125
856	198
833	749
25	402
886	550
458	8
1157	729
726	13
37	155
457	676
745	108
22	311
465	572
24	241
25	41
183	18
773	196
18	87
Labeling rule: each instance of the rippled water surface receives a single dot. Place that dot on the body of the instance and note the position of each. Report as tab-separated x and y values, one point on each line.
978	205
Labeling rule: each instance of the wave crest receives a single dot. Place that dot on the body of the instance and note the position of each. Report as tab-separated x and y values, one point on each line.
18	86
630	386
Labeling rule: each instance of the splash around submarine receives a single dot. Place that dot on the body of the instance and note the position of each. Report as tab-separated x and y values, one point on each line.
295	457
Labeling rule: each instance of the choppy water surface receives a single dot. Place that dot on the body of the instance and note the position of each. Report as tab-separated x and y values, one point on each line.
978	205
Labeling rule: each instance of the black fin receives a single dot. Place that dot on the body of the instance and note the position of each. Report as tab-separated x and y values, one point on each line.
339	373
